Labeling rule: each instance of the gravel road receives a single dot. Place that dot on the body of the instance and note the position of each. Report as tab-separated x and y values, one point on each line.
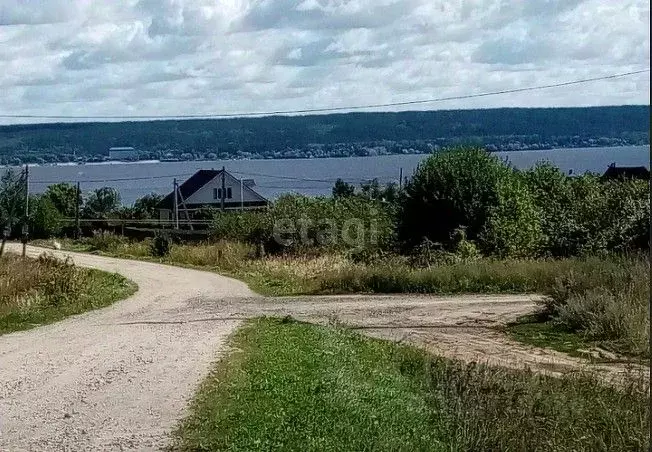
120	378
115	378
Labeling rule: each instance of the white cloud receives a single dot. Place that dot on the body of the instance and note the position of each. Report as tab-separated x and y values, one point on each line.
82	57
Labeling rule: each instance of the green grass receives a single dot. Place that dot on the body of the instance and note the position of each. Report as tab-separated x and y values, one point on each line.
49	292
294	386
603	299
544	333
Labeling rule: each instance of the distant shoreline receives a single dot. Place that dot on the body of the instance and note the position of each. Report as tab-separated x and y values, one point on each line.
150	161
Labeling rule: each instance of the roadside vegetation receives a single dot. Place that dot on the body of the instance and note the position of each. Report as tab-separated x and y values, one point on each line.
294	386
465	222
34	292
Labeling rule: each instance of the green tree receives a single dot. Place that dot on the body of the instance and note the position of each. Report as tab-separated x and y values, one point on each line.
146	207
375	190
451	190
102	203
342	189
44	217
64	198
513	228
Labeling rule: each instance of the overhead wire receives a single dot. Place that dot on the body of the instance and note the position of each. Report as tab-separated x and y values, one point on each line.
334	109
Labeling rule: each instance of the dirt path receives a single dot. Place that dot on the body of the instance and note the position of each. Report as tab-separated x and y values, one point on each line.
120	378
104	381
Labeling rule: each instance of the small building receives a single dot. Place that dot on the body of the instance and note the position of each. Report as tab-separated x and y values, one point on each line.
626	172
204	190
123	153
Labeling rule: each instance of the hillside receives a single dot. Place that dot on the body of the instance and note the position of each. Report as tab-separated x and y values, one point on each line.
330	135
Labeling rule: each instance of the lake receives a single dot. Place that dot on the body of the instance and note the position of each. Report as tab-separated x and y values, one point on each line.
307	176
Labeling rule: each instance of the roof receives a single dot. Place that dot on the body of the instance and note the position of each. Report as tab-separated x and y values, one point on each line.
192	185
632	172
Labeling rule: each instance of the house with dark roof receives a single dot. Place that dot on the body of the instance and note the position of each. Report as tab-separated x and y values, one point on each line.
626	172
208	188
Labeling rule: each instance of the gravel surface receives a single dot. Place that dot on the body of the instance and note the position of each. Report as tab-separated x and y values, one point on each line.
115	378
120	378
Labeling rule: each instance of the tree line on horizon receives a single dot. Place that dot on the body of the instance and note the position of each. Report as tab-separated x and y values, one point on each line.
330	135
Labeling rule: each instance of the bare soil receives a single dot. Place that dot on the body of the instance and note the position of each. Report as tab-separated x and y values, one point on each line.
120	378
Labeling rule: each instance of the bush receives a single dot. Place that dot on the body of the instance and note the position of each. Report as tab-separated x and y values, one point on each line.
584	215
160	246
45	219
248	226
332	224
449	190
513	227
299	223
104	241
607	300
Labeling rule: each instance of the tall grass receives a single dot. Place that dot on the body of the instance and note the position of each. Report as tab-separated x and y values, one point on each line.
45	280
43	290
608	301
603	298
497	409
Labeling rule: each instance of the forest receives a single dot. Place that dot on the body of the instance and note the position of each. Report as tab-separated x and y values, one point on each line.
333	135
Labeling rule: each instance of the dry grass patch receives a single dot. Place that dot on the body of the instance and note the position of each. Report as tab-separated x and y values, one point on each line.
39	291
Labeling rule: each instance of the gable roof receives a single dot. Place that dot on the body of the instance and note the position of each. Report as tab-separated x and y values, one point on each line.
195	183
632	172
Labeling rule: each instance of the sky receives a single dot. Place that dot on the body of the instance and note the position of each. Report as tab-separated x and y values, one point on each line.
176	57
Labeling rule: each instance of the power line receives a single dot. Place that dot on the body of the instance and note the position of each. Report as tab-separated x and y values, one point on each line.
333	109
273	176
119	179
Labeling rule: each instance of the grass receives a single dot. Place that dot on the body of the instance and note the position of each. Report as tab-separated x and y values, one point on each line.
541	332
39	291
603	299
293	386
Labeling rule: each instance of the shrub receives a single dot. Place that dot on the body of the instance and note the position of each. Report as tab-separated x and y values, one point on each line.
45	219
513	227
607	300
247	226
584	215
299	223
160	246
451	189
104	241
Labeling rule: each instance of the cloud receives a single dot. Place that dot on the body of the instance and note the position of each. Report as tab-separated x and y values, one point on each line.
32	12
204	56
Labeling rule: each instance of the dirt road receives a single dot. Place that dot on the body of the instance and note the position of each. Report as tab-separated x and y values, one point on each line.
120	378
105	381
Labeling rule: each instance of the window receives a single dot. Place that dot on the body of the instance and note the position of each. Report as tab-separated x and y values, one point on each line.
219	193
229	194
215	193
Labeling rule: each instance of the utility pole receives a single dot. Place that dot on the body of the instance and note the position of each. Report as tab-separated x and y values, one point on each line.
223	190
26	223
176	205
400	179
77	206
241	196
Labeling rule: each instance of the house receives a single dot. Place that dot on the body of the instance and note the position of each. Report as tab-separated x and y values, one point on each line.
204	189
123	153
626	172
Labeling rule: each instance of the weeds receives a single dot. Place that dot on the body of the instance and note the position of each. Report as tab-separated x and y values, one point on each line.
43	290
602	298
